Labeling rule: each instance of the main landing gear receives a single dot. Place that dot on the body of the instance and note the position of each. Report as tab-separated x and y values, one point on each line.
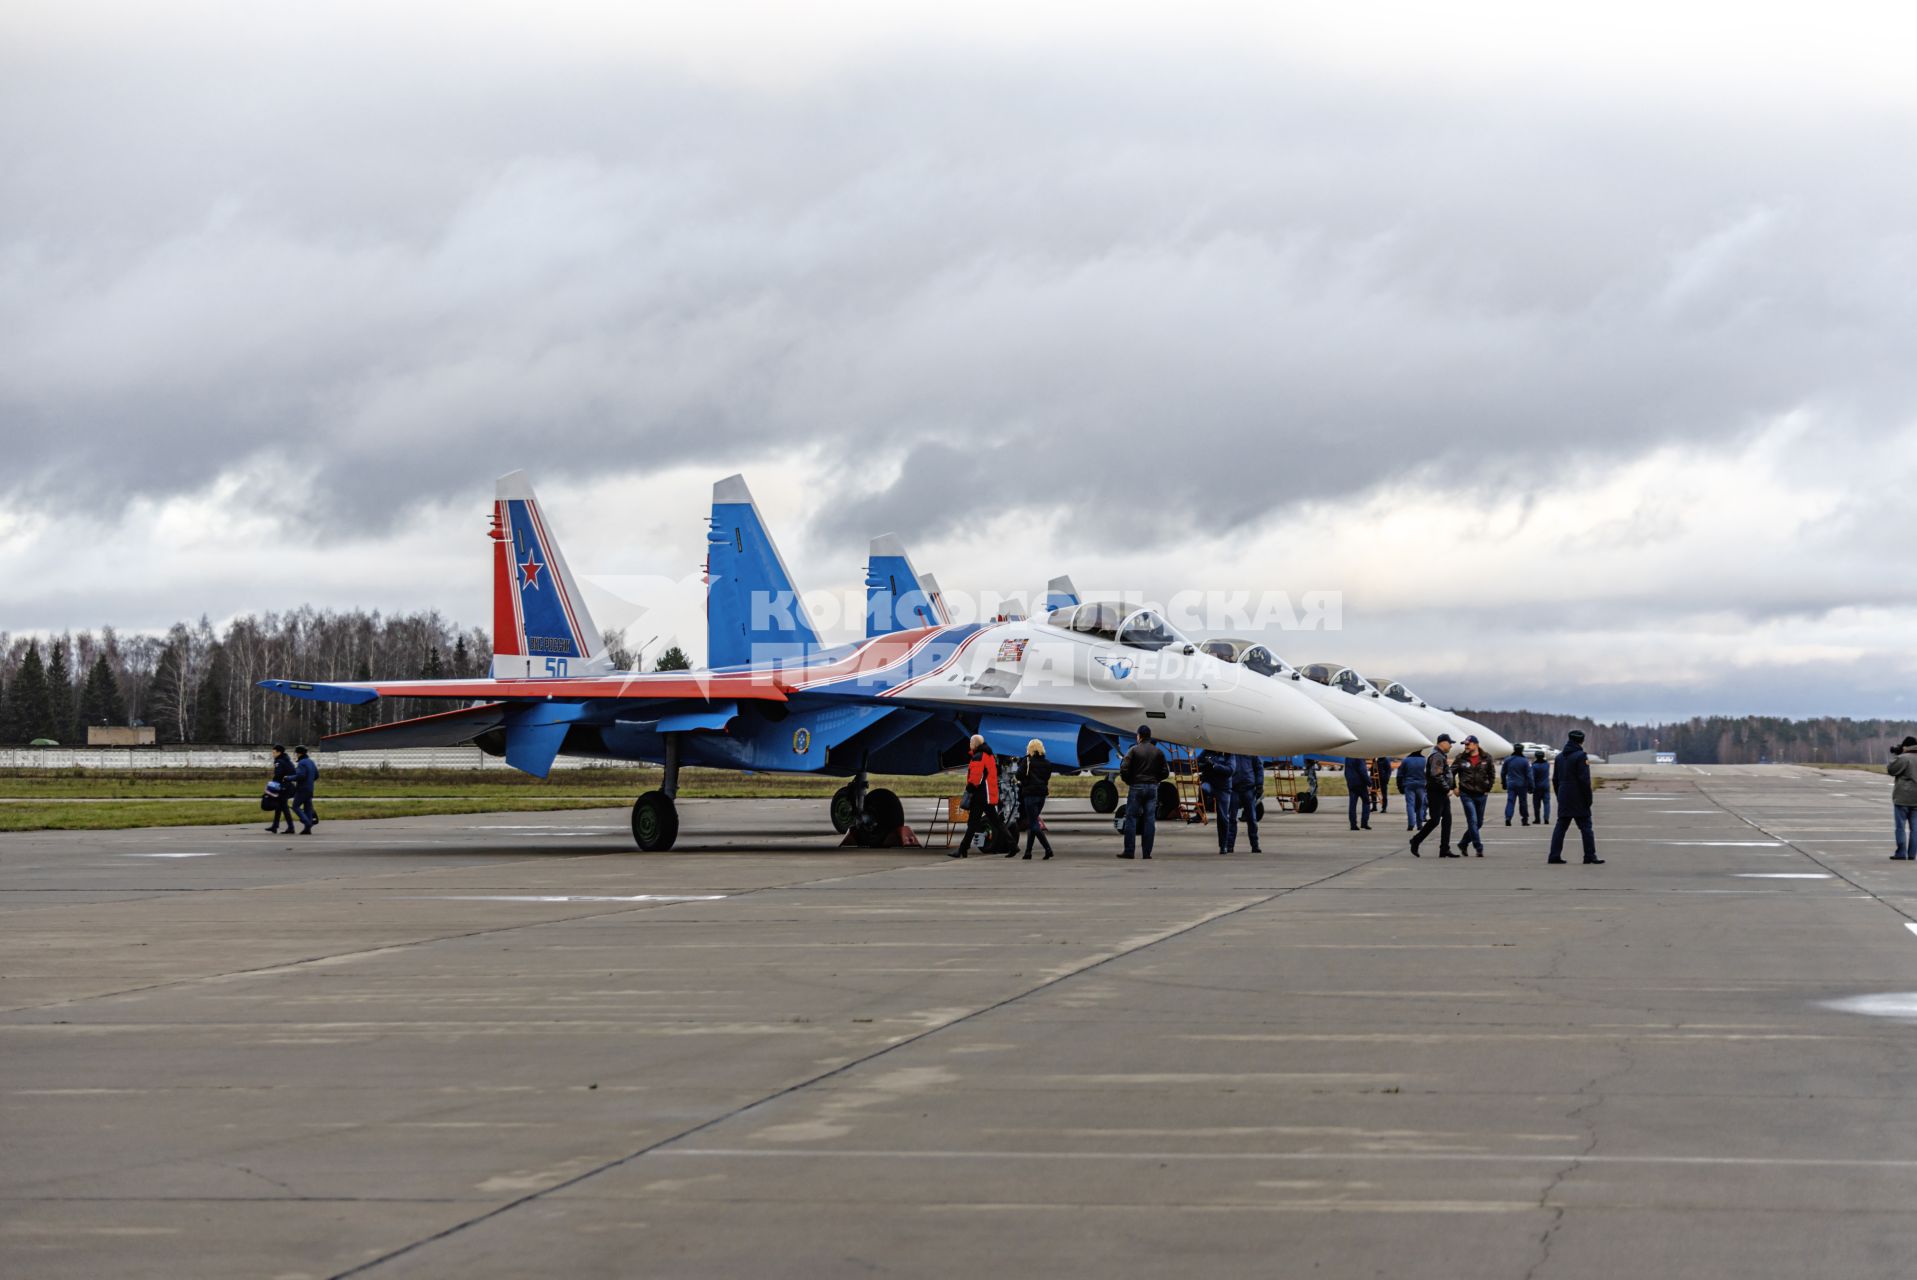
655	816
870	815
1104	796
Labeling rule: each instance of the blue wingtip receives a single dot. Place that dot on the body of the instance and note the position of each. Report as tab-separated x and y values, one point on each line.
320	692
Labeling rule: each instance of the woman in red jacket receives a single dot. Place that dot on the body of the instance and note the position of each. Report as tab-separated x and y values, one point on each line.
981	794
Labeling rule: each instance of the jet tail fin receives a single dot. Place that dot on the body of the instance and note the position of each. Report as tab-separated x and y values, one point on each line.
895	595
1060	592
540	623
753	610
936	598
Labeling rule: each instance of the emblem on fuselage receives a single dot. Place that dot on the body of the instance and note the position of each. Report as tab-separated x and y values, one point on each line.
1119	668
801	741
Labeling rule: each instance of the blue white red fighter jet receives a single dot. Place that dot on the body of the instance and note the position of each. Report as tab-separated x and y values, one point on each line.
775	699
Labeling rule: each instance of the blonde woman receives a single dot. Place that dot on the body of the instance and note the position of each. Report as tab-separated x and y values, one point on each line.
1034	784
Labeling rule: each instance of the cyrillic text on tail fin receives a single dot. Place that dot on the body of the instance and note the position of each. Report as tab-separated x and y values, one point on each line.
540	623
753	609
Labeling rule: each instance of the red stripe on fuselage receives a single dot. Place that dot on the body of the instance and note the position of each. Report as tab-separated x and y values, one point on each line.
946	665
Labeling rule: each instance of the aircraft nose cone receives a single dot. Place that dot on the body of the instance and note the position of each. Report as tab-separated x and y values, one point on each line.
1380	733
1251	714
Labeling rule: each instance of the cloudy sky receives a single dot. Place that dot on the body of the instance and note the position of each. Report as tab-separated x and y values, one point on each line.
1576	349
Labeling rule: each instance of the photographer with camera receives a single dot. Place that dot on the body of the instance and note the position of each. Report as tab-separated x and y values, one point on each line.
1903	798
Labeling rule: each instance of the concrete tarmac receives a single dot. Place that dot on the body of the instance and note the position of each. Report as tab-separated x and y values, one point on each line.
509	1046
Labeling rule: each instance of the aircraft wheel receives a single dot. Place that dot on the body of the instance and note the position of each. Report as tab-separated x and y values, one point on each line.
1104	796
844	811
1167	801
884	815
1307	803
655	822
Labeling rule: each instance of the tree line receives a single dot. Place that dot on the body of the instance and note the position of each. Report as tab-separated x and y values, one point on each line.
197	684
1716	739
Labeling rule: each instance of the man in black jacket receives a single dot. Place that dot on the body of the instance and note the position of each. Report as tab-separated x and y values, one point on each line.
284	775
1142	770
1437	785
1571	784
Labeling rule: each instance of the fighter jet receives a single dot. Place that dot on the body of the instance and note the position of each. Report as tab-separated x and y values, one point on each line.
777	700
1378	732
1495	744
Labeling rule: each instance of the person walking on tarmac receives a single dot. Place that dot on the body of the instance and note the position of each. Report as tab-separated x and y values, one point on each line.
1358	787
1516	772
1034	784
305	778
1573	786
283	780
1381	779
1437	781
1214	770
1411	785
1476	777
981	795
1142	769
1540	788
1247	787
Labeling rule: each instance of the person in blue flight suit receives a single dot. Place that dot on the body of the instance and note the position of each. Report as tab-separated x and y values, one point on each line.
1572	783
1411	785
1540	787
1358	784
1247	787
305	778
1516	772
1214	774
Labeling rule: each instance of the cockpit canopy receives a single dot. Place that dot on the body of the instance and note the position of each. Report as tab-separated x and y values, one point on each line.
1338	677
1395	691
1115	620
1248	653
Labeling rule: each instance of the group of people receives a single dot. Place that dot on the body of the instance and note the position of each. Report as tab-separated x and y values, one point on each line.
982	799
290	793
1428	781
1235	783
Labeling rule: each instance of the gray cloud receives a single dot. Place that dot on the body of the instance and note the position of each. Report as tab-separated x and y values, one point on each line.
1138	289
1140	265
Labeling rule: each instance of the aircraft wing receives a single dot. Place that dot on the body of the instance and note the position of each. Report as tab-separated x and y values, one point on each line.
650	686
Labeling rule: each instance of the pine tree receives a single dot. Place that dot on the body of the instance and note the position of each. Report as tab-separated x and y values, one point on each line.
673	659
66	725
462	659
164	699
29	708
435	665
209	702
101	703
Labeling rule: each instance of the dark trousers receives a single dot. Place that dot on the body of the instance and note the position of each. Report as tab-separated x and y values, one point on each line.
1584	829
980	817
1520	802
1414	808
303	807
1541	806
1440	821
1360	797
1141	816
283	808
1028	811
1226	806
1244	803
